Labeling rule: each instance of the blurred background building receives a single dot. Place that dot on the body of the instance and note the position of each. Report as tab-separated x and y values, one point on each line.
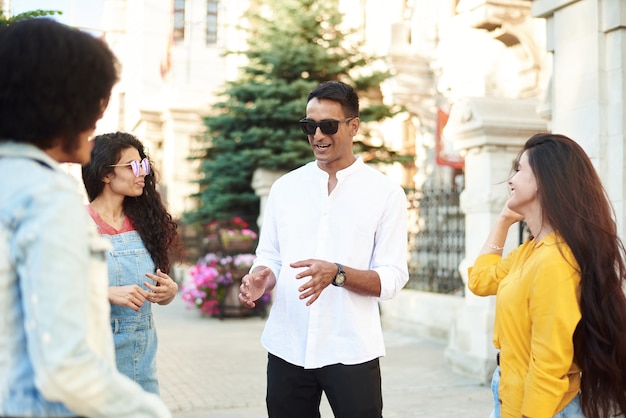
477	78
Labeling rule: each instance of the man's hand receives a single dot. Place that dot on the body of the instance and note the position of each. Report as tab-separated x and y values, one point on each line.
321	273
253	286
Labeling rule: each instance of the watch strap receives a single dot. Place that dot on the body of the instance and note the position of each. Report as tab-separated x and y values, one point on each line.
338	280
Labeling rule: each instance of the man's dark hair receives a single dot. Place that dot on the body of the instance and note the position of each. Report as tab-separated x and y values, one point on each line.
55	82
338	92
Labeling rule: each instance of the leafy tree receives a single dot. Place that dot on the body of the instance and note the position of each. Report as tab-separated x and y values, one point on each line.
293	46
5	20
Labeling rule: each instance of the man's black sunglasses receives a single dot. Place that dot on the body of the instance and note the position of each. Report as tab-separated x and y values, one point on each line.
327	126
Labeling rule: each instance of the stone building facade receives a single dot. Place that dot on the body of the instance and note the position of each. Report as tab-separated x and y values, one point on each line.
560	67
499	70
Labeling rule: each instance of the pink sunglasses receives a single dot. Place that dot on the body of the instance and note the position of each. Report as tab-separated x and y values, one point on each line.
136	166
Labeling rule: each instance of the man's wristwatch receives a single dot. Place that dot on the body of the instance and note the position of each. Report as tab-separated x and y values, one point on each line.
340	277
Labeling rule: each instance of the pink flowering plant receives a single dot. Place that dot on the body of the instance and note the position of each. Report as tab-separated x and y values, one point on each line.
214	280
207	286
211	278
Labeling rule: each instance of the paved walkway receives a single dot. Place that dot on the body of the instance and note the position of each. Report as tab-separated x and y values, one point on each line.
211	368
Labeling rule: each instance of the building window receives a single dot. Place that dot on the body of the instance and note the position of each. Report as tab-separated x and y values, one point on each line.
211	22
179	20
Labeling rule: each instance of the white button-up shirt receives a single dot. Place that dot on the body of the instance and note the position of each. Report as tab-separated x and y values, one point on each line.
362	224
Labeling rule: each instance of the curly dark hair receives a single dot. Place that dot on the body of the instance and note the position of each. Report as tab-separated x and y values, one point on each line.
147	213
576	205
55	82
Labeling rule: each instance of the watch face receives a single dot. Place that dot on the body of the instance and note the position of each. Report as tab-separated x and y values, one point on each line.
340	279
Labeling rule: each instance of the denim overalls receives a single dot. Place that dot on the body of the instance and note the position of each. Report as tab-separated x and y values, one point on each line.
133	332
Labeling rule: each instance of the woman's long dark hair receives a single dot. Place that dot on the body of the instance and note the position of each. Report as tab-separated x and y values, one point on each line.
576	205
147	213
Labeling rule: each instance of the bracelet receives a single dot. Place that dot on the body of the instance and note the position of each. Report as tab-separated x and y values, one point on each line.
495	247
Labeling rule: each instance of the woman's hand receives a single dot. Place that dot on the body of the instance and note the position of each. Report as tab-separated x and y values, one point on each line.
164	290
131	296
497	236
510	216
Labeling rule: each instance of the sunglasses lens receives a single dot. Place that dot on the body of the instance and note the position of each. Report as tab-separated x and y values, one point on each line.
329	127
145	164
138	166
308	127
134	164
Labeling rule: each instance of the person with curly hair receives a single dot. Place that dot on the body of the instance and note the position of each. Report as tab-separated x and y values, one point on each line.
56	346
127	209
560	320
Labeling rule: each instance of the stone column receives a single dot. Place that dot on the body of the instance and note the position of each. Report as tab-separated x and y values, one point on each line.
490	133
262	180
182	128
588	95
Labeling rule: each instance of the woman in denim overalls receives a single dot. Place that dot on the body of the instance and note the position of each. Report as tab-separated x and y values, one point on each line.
128	210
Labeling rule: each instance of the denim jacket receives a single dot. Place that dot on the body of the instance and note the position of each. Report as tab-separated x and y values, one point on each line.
56	347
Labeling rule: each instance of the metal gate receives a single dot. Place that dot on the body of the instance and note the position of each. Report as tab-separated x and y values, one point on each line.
436	240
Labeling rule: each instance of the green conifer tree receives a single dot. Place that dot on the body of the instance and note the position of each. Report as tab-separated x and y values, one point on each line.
293	46
5	20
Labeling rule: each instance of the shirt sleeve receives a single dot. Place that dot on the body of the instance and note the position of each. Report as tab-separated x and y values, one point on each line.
268	249
389	259
486	274
56	284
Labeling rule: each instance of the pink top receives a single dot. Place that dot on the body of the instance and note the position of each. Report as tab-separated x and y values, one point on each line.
105	228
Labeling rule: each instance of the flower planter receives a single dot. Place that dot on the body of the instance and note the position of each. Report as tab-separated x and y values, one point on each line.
237	245
212	243
237	241
230	306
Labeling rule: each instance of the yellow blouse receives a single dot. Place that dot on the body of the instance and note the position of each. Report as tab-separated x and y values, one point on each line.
537	310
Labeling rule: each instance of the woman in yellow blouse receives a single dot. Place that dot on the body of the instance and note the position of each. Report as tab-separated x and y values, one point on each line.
560	305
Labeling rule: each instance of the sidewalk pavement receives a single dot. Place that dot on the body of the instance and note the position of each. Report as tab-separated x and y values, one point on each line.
212	368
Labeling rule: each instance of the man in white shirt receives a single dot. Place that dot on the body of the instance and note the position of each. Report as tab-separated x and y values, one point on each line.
333	243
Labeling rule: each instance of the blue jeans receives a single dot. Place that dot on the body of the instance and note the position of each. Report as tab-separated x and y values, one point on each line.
571	410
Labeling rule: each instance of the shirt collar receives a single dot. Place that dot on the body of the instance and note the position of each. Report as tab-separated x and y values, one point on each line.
352	168
553	238
23	150
355	166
